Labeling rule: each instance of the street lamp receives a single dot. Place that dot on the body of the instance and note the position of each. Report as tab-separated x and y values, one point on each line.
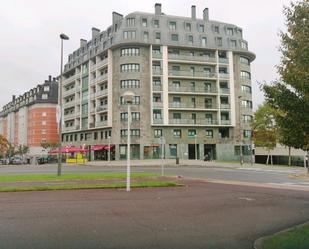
240	138
162	154
59	109
195	136
109	146
128	98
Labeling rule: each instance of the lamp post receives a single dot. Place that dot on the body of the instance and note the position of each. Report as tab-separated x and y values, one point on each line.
240	137
59	109
109	146
195	136
162	155
128	98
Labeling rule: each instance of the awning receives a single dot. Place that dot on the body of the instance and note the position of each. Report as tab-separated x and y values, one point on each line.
68	150
97	147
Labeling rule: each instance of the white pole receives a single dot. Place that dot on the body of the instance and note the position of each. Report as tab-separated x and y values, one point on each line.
128	151
109	146
195	147
162	156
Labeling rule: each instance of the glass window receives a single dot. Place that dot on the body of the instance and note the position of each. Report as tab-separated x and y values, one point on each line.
132	83
245	75
144	22
130	22
129	51
191	133
209	133
247	133
129	34
244	60
204	41
233	43
188	26
158	37
129	67
201	28
158	133
216	29
145	36
177	133
244	45
246	89
190	39
174	37
156	23
247	118
172	25
219	41
230	31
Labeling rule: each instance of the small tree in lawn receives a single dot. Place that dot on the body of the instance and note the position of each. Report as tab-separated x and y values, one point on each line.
22	150
264	128
4	145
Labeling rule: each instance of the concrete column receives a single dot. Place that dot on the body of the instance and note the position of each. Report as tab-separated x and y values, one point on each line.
165	84
232	89
110	88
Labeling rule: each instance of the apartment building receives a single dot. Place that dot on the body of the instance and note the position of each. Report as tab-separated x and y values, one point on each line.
191	81
30	119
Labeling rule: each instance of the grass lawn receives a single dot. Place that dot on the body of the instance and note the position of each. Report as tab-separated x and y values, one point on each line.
88	176
88	186
296	238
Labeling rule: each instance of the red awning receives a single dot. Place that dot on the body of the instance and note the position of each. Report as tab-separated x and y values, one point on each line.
97	147
68	150
109	147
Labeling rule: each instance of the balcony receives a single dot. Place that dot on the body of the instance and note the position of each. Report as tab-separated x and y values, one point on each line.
189	74
203	59
225	90
68	129
71	79
101	63
182	121
68	92
156	55
188	89
69	104
224	75
224	60
224	106
91	125
157	87
101	123
157	71
225	122
101	92
157	121
69	116
176	105
101	78
157	104
102	108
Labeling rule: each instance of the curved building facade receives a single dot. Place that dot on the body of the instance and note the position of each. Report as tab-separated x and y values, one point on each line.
191	81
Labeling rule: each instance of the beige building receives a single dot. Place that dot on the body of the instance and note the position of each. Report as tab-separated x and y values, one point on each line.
190	77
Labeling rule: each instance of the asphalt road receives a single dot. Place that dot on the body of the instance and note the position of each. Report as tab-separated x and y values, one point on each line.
200	215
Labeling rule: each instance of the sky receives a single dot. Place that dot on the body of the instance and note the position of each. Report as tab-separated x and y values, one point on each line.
30	43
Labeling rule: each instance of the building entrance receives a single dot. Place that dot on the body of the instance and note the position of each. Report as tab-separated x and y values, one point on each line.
209	152
191	149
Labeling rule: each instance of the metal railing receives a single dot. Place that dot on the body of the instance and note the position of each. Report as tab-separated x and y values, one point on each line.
101	108
191	58
190	74
192	89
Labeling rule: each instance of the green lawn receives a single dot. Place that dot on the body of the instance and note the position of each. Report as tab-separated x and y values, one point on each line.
297	238
89	176
88	186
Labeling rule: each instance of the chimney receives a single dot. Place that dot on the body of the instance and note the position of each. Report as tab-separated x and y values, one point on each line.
95	32
49	78
54	78
158	9
83	42
193	12
13	98
206	14
116	17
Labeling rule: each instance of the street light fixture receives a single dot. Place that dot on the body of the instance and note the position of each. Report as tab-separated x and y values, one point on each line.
59	109
240	137
128	99
195	136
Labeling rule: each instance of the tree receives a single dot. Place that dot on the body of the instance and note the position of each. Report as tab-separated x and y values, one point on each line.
264	128
291	93
4	145
21	150
50	145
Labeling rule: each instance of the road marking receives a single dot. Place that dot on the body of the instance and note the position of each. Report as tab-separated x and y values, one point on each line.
246	198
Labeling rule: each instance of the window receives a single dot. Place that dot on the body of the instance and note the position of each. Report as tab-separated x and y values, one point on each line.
209	133
172	25
246	150
129	67
247	118
244	60
245	75
201	28
144	22
156	23
44	96
130	84
246	89
177	133
233	43
129	51
145	36
174	37
190	39
136	100
44	114
129	34
177	115
244	45
216	29
247	133
123	116
130	22
246	104
158	37
158	133
136	116
135	132
43	122
230	31
204	41
46	88
219	41
188	26
191	133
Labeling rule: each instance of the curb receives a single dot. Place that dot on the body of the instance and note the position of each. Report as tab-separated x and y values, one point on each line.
258	243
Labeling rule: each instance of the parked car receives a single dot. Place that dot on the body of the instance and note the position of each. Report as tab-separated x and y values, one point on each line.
17	161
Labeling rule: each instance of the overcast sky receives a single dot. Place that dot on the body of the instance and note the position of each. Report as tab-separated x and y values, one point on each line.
30	44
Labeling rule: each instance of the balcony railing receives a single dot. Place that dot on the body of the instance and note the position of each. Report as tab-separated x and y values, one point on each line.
191	58
101	78
102	108
192	89
225	90
101	123
225	106
69	104
91	125
157	71
69	116
225	122
224	75
157	87
158	121
156	55
193	121
101	63
157	104
224	60
191	106
101	92
68	92
190	74
71	79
